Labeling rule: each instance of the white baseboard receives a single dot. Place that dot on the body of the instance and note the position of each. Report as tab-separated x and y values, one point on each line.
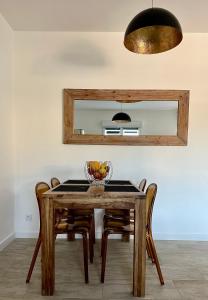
5	242
98	236
34	234
157	236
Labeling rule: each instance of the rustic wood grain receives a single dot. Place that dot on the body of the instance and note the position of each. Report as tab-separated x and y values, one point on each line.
95	197
182	128
182	96
106	94
68	116
47	250
139	249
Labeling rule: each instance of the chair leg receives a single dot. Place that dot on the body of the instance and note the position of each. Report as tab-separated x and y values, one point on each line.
85	254
35	254
104	253
71	236
93	228
125	237
156	260
91	241
101	246
149	248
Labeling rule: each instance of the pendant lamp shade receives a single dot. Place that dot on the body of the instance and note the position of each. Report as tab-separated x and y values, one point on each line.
153	30
121	117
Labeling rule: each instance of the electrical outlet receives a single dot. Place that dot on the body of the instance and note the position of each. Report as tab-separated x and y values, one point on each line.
28	218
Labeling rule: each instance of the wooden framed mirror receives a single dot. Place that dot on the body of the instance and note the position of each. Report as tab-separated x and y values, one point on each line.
157	117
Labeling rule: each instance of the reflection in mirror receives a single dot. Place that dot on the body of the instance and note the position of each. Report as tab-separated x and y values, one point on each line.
153	117
147	117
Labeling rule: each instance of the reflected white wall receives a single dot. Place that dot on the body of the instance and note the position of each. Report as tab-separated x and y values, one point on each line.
153	122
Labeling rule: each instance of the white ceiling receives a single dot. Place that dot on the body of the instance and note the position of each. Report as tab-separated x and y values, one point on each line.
114	105
97	15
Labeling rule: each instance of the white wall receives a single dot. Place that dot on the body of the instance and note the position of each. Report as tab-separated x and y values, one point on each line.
153	122
46	63
6	140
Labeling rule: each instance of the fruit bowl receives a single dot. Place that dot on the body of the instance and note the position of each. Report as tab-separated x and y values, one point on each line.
98	172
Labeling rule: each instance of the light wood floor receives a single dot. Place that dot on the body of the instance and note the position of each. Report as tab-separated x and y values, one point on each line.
184	266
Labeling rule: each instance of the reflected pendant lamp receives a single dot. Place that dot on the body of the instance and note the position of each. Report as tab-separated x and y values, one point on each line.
153	30
121	117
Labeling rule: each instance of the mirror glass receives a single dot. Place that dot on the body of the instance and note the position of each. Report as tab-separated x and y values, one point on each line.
147	117
153	117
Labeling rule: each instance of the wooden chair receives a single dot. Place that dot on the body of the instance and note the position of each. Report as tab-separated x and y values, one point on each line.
60	212
126	213
77	214
62	226
120	225
54	182
142	184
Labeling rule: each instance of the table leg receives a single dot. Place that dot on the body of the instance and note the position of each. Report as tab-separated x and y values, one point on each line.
47	253
139	249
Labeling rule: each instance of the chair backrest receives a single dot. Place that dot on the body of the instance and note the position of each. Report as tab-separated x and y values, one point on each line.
150	199
40	188
142	184
54	182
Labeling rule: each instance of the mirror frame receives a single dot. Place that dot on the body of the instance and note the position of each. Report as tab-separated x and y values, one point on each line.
182	96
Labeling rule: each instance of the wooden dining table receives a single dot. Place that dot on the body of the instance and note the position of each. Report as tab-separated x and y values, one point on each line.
80	194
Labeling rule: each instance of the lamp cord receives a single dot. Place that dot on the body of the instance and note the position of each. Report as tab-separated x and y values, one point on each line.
152	3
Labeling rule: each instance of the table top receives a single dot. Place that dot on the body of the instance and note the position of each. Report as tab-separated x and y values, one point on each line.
109	182
85	188
126	190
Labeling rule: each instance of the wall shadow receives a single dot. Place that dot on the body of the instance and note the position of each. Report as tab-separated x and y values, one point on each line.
82	52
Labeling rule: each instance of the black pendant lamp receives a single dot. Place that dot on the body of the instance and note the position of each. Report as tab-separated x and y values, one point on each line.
121	117
153	30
